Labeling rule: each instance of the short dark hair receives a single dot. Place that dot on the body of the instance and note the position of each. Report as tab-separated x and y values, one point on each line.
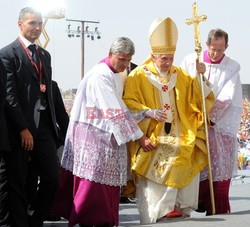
217	33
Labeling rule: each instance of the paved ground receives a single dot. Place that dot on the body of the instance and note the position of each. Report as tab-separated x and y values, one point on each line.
240	211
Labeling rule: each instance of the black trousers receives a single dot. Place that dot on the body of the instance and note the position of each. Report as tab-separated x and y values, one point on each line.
46	165
4	211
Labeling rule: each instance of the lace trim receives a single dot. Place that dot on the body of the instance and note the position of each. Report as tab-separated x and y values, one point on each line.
219	110
227	118
94	154
223	150
124	128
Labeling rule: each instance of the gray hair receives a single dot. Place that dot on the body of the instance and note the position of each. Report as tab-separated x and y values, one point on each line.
122	45
157	55
27	10
215	34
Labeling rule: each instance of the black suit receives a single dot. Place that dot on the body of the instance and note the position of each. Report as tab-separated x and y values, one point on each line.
132	66
23	111
4	147
62	117
62	124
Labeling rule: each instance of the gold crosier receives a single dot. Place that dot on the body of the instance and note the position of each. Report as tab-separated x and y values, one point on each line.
195	20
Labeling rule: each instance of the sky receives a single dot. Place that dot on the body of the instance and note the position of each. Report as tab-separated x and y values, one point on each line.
130	18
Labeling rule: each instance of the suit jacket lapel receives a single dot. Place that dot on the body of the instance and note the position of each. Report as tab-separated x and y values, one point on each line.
22	55
45	65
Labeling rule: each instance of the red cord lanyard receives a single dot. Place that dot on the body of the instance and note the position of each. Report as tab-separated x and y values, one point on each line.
37	67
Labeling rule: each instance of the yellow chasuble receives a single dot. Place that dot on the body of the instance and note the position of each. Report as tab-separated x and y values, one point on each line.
181	154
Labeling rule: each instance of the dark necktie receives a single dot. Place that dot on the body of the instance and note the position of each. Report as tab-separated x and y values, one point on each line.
35	57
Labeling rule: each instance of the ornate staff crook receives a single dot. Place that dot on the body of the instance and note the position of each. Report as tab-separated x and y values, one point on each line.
195	20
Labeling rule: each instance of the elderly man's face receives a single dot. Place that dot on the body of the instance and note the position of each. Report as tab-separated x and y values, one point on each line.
163	61
216	48
120	61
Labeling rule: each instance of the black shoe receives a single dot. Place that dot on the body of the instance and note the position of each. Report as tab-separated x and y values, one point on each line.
201	209
52	217
124	199
35	224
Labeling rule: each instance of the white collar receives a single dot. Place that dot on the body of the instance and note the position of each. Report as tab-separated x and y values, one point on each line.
25	41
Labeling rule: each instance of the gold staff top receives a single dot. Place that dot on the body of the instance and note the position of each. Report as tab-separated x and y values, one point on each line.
195	20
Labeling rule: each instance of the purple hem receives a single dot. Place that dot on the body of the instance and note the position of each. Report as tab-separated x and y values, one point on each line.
85	202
